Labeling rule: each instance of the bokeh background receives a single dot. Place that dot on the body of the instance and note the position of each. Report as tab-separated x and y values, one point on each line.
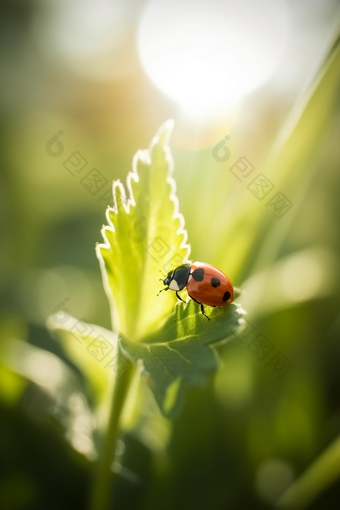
107	74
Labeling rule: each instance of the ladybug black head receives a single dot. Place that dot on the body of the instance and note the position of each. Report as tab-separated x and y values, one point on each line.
168	278
177	278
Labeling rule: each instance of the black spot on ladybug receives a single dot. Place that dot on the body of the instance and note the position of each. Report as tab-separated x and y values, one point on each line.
226	296
198	274
215	282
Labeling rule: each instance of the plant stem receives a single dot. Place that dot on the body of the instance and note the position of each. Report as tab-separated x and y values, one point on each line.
100	497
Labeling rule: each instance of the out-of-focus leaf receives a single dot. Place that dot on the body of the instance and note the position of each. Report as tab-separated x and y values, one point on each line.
291	162
181	351
12	384
91	348
142	416
68	404
145	235
293	282
319	475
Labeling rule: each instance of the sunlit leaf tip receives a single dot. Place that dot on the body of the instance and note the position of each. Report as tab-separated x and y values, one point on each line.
145	234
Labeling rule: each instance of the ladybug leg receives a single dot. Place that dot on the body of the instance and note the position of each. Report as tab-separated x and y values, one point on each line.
179	297
202	308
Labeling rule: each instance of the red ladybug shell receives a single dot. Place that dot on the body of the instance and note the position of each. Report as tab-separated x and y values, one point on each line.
209	285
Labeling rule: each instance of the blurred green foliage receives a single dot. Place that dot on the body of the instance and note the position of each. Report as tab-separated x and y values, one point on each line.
245	436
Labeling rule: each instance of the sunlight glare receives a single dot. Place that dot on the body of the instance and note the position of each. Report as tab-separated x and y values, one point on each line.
206	55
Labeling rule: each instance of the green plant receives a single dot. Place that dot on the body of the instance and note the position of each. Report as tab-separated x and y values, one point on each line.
174	347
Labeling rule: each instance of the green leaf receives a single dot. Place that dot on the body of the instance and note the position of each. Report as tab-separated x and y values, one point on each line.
145	235
77	339
182	350
67	404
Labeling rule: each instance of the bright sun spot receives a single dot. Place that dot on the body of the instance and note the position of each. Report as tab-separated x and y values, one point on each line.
207	54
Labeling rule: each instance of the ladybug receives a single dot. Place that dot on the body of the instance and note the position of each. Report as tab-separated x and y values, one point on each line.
206	284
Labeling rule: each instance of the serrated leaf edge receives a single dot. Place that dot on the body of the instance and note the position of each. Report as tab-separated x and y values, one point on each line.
144	156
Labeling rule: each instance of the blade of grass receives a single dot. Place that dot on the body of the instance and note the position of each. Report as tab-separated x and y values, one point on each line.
256	234
320	475
291	162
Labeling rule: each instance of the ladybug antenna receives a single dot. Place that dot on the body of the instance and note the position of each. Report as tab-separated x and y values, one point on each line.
162	273
165	288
